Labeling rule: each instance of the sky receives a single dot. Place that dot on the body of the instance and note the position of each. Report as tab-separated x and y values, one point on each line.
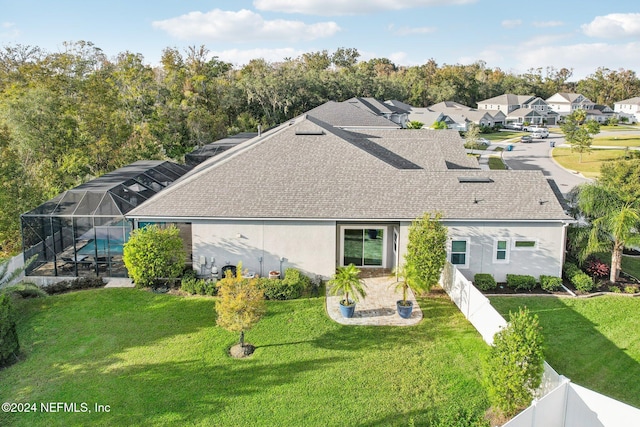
512	35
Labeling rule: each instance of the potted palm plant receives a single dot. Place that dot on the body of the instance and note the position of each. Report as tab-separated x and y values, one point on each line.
404	306
346	281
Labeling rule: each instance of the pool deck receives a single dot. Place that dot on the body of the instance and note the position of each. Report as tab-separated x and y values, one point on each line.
378	308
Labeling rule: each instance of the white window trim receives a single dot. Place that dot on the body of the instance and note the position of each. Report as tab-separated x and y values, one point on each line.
526	248
466	254
365	227
495	251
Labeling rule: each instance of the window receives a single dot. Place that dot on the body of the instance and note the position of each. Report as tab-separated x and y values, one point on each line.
460	253
500	251
363	247
524	244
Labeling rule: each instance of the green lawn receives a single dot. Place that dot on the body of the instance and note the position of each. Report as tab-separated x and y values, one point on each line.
159	360
496	163
503	135
591	162
620	141
619	127
593	341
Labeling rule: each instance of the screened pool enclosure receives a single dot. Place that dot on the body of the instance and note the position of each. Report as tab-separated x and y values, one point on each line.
81	232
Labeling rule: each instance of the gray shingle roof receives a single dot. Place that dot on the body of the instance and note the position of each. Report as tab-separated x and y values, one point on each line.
347	115
508	99
631	101
326	174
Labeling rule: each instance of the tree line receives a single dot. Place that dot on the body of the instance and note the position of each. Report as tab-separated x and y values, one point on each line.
69	116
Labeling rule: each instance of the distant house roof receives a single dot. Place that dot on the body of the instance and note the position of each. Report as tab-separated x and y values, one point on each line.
203	153
308	169
604	109
348	115
508	99
461	113
526	112
631	101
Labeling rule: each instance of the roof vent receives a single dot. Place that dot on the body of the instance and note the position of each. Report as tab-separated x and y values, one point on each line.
463	179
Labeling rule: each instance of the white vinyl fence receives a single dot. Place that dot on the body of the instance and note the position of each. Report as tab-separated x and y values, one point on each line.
15	263
558	403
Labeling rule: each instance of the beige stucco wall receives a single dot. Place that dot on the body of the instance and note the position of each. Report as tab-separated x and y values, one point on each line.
306	245
546	258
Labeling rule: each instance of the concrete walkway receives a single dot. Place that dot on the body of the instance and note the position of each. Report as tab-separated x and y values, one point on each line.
119	282
379	306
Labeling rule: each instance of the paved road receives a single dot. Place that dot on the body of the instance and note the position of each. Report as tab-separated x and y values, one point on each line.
537	156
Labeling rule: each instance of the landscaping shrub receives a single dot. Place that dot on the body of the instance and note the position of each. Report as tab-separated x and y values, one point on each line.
74	285
614	289
24	290
9	344
194	286
154	253
484	281
291	287
515	363
582	282
521	281
570	269
550	283
632	289
596	268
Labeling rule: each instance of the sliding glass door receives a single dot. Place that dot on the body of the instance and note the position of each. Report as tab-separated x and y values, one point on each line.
363	247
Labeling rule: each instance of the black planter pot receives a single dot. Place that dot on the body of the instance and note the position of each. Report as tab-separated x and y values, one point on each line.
404	311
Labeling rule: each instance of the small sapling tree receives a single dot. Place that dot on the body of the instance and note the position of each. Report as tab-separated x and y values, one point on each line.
239	306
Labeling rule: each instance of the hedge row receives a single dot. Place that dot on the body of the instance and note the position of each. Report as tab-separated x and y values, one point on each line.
486	282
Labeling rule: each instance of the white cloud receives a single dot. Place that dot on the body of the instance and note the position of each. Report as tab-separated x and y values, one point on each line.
242	57
511	23
351	7
543	40
584	58
613	25
8	30
411	31
547	24
242	26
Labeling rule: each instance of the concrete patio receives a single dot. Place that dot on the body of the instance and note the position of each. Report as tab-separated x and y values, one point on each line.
379	306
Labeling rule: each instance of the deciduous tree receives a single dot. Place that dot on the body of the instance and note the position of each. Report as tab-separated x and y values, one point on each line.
240	304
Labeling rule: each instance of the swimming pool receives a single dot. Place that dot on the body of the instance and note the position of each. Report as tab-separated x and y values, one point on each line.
104	246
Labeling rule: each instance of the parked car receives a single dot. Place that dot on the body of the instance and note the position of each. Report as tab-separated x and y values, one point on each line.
526	138
484	141
515	126
544	132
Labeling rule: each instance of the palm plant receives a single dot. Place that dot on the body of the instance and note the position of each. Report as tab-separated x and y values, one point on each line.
614	223
403	284
346	281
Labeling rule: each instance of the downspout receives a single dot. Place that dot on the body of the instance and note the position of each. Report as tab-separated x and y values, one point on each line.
563	245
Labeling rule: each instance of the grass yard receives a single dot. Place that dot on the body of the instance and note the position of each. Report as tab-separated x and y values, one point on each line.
591	162
593	341
620	141
159	360
503	135
496	163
